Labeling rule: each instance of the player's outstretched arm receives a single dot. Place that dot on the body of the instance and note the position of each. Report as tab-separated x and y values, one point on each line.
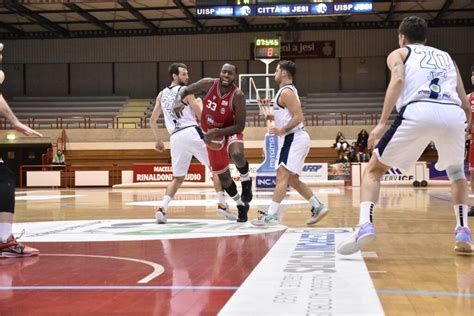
6	112
202	86
289	100
159	146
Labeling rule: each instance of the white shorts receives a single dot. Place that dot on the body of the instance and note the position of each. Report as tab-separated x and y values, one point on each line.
185	144
293	152
416	126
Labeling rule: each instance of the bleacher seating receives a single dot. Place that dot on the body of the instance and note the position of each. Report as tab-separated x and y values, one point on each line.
338	108
345	108
132	114
68	112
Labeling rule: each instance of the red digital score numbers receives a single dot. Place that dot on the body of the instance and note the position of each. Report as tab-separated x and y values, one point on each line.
267	48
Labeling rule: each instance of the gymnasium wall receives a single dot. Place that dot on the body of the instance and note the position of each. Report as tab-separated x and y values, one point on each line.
137	66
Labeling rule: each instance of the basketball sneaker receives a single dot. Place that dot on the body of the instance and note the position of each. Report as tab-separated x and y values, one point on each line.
463	240
224	211
317	213
13	248
247	191
363	235
243	211
160	216
266	219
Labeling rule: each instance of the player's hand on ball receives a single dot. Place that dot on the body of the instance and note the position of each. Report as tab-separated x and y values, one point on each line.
210	135
159	146
22	128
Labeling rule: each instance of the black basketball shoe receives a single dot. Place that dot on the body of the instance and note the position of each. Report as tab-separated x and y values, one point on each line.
247	191
243	211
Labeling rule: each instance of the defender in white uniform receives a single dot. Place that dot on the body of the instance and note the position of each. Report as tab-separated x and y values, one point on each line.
186	139
296	143
429	95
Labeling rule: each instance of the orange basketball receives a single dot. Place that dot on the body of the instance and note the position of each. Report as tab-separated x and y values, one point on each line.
217	143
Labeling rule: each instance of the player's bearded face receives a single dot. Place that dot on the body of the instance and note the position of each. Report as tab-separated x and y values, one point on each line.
183	77
227	76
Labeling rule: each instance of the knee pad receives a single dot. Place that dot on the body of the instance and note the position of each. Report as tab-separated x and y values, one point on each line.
455	173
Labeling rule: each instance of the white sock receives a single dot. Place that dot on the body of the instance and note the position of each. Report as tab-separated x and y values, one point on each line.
314	202
237	199
221	197
460	210
166	201
273	208
245	177
366	212
6	230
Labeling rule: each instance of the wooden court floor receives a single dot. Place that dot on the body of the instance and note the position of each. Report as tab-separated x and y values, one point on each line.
412	263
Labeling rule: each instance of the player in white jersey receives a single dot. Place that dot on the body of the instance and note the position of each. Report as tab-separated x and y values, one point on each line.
289	126
429	94
186	140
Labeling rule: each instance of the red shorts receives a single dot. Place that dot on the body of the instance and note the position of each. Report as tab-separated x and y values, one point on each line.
471	153
219	159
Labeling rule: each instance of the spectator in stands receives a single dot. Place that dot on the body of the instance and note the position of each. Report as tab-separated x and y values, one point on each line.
59	158
361	146
351	153
340	145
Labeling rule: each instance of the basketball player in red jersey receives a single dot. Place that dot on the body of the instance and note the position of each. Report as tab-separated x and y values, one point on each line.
471	147
223	115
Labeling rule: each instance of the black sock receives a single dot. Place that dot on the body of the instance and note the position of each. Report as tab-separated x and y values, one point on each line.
244	172
232	190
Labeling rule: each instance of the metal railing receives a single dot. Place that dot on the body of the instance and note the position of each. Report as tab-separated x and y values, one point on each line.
253	120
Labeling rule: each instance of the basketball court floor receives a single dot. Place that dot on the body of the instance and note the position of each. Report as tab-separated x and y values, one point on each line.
102	253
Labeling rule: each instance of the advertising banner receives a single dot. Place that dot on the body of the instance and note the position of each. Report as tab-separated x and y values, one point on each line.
164	173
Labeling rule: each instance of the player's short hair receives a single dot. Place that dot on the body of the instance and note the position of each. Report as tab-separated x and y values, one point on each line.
174	69
289	66
414	29
233	65
472	68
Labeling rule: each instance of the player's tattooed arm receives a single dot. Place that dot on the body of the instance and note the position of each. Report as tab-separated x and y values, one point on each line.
201	86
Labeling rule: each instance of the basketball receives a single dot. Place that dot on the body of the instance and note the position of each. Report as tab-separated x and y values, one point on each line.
217	143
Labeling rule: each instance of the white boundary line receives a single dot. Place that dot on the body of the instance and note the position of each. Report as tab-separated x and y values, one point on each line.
157	268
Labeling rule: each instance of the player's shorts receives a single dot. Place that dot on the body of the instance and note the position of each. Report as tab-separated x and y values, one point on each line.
7	190
219	159
471	152
293	152
415	127
185	144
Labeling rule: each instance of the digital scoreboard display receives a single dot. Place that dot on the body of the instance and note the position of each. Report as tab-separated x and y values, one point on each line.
245	8
267	48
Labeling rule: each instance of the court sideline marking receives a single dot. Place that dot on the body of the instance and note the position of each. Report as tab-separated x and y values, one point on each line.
157	268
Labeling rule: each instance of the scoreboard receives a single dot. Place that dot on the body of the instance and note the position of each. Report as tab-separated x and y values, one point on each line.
244	8
267	48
